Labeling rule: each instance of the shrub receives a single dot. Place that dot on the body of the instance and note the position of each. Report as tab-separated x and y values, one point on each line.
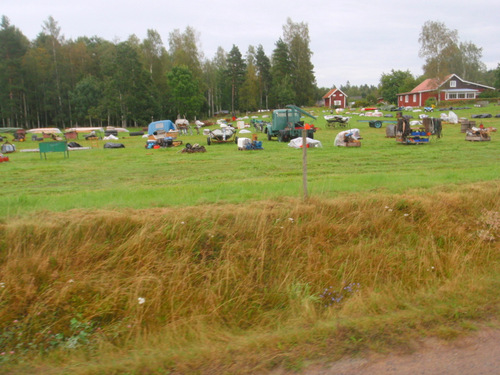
431	102
361	103
489	94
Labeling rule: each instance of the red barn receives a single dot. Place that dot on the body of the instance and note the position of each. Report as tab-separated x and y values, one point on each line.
452	87
335	98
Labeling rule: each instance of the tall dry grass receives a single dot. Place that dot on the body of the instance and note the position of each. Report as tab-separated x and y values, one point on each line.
200	277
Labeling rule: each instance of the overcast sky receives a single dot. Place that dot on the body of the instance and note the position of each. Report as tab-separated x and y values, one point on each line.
351	40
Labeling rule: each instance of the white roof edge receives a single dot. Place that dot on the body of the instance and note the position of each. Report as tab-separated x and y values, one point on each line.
464	81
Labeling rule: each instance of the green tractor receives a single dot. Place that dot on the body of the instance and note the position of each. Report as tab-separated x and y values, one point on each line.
286	124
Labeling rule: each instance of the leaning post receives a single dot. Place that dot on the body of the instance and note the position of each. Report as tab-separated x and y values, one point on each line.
304	160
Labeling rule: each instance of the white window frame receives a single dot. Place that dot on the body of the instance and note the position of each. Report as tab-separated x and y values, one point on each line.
406	98
453	83
460	95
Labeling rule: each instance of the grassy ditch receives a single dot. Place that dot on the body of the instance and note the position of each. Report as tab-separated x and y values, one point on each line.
245	288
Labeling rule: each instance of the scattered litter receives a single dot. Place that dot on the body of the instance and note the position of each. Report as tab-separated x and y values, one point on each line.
477	134
192	149
332	120
451	117
162	143
297	143
8	148
247	144
348	138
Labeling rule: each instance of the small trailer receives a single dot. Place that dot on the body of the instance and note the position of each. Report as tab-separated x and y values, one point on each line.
377	123
223	135
333	120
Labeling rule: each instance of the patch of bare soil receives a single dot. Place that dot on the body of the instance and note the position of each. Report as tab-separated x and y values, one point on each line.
478	354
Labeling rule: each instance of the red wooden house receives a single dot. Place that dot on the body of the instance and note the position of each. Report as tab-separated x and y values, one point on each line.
335	98
452	87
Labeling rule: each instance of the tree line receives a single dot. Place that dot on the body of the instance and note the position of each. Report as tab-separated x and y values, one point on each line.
51	81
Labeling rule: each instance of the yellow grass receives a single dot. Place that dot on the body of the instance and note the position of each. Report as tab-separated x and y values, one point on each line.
245	288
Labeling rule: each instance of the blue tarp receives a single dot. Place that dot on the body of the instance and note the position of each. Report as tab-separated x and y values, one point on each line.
165	125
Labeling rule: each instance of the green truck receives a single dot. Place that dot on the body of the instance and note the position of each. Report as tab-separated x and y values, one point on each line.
286	124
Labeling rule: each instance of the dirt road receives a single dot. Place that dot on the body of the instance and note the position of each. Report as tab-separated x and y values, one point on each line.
478	354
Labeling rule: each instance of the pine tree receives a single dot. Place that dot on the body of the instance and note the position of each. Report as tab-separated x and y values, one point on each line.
282	90
236	73
13	47
263	65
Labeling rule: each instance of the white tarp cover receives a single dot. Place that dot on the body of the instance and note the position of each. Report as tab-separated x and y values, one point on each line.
297	142
224	132
343	118
451	117
85	129
339	139
45	130
118	130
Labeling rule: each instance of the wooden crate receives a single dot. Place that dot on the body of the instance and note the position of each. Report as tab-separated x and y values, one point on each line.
477	138
353	144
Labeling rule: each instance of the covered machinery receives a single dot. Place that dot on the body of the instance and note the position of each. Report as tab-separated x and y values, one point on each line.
162	126
286	124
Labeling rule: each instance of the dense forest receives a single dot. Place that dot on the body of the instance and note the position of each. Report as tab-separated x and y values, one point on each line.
51	81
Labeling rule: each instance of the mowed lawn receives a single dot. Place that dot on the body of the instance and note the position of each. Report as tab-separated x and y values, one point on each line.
136	177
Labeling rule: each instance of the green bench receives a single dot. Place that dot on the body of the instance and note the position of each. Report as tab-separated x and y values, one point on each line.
54	147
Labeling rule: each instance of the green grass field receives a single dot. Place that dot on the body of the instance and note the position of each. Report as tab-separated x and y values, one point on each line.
134	177
137	261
